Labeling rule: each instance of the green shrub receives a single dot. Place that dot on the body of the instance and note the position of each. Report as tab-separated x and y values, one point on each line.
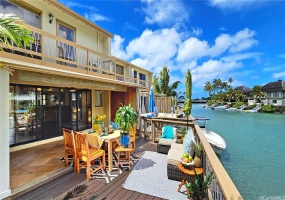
268	108
238	104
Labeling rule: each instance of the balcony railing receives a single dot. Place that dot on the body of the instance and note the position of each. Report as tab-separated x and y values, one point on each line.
221	186
56	52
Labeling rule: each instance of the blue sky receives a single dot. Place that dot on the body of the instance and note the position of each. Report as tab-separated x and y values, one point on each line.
244	39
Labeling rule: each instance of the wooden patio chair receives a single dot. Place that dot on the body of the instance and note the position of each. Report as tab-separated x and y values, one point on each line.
87	155
133	133
69	146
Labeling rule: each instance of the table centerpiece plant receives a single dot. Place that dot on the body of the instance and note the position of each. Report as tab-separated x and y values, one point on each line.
126	117
97	121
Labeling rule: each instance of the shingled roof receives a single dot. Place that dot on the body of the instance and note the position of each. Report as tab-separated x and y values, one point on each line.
243	89
274	86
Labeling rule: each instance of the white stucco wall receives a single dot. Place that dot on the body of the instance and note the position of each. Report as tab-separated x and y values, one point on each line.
5	190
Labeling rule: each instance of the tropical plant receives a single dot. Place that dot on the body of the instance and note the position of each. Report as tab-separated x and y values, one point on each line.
230	93
239	96
198	189
230	81
11	31
257	92
31	109
161	83
183	131
268	108
198	154
238	104
126	117
208	88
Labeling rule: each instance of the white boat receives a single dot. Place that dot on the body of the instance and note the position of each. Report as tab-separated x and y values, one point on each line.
220	107
216	141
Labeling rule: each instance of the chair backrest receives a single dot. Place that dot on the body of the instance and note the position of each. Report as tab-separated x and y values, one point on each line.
133	131
82	146
69	142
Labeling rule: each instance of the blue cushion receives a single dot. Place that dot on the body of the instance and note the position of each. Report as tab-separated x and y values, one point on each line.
187	143
168	132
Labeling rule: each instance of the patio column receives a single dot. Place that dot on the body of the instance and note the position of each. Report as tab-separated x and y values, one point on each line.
5	190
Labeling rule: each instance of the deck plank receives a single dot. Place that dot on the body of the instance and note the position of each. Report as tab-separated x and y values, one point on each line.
58	188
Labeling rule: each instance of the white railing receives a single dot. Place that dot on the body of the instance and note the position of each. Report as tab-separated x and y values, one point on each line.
54	51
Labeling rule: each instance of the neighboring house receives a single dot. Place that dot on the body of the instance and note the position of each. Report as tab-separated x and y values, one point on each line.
63	79
275	93
245	91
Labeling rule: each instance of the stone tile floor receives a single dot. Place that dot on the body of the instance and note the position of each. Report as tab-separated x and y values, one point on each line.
33	163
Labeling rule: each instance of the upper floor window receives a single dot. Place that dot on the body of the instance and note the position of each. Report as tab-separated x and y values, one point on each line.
66	32
119	69
29	17
275	94
142	77
135	74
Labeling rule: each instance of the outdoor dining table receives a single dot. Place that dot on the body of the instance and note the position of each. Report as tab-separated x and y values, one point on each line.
96	140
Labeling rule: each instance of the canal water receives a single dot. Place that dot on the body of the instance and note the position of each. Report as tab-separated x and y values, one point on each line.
255	154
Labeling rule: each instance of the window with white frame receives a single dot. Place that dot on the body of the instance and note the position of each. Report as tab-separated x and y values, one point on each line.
276	94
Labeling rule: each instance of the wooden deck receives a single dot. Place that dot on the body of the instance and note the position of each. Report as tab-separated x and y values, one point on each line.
95	189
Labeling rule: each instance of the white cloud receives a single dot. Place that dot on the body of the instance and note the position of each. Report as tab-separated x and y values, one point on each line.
197	31
95	17
281	55
117	47
192	48
278	75
212	69
241	56
154	49
270	69
165	12
234	5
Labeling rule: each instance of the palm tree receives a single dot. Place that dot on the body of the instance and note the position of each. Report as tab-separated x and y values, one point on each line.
224	86
230	81
11	31
240	96
208	88
231	93
257	93
161	83
217	83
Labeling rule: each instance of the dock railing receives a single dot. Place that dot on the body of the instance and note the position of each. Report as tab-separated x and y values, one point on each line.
222	187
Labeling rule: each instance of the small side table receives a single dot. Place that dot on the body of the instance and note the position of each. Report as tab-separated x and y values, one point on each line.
187	172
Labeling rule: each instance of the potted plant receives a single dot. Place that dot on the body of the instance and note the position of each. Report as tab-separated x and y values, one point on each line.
183	132
97	121
126	117
197	190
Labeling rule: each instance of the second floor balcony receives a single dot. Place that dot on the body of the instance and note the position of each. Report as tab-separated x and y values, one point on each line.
55	52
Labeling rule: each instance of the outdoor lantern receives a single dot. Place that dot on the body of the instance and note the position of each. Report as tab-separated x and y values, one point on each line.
50	18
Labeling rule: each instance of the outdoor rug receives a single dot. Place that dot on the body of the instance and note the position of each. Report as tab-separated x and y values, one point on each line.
149	176
105	176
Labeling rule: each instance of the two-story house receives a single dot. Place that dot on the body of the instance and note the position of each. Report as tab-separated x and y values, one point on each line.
274	93
65	77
